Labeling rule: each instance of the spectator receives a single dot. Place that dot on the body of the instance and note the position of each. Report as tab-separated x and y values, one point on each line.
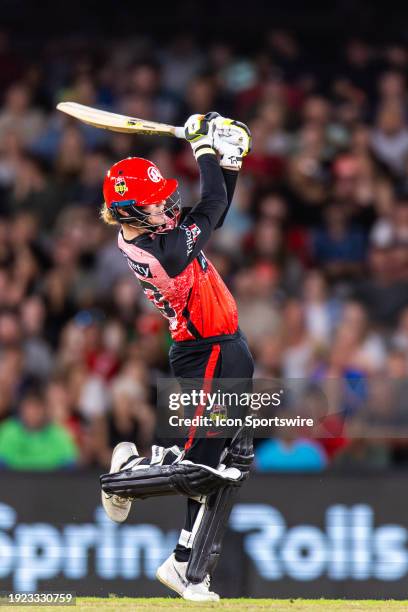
32	442
382	294
320	310
131	418
18	116
339	248
287	453
390	137
38	357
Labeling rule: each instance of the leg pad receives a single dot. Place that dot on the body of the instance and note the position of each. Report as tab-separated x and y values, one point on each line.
184	478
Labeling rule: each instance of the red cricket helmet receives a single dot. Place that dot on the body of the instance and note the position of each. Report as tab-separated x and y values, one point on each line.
135	182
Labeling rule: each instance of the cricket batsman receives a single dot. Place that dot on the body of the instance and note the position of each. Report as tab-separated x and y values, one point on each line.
163	245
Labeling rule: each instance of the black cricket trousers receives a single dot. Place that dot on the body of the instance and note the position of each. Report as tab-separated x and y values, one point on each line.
212	358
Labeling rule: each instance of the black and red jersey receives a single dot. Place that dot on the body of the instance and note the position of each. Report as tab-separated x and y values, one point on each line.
173	270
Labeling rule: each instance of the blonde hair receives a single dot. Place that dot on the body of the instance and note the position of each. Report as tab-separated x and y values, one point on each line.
106	216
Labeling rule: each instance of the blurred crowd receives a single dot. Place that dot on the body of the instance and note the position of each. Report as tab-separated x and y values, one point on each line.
315	247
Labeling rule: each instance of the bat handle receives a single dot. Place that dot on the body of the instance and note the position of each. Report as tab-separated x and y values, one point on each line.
179	132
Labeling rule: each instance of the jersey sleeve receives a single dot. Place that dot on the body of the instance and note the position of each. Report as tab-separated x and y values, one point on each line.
230	178
177	249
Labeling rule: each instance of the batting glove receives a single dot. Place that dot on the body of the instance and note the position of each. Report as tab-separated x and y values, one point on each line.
232	140
199	131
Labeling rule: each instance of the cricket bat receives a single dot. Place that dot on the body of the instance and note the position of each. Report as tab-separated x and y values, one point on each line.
118	123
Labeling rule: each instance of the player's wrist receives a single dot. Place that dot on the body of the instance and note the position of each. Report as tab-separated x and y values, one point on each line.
203	149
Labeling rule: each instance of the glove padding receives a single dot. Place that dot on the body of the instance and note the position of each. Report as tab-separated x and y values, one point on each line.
199	131
232	141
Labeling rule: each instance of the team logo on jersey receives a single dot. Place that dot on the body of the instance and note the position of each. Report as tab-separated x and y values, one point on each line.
120	186
154	174
143	269
192	234
195	231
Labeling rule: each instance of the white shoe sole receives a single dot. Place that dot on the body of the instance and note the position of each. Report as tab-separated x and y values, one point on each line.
121	453
199	596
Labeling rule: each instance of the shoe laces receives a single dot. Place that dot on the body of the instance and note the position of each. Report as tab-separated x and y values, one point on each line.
207	581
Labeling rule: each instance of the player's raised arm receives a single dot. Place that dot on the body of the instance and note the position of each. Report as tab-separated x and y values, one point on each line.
231	137
201	134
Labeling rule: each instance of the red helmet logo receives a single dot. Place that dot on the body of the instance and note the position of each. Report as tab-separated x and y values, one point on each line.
120	186
154	174
140	180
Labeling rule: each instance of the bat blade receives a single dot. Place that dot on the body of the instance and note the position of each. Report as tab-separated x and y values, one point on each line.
118	123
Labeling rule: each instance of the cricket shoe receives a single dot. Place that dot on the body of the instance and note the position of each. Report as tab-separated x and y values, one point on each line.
200	591
118	508
172	574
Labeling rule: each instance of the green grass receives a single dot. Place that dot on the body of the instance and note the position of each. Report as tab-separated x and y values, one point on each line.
246	605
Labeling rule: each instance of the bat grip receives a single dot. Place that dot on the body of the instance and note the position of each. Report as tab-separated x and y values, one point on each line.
179	132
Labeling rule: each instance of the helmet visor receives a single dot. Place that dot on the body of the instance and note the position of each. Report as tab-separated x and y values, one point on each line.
145	219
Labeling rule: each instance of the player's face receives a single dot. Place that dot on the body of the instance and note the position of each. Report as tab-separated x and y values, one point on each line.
156	213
